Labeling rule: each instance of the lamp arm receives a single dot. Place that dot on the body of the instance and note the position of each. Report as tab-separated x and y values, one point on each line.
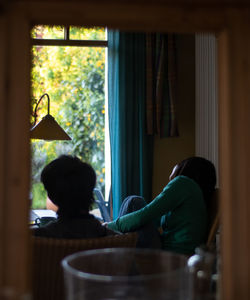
38	102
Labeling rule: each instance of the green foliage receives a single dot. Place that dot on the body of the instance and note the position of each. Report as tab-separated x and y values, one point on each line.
74	78
83	33
47	32
39	194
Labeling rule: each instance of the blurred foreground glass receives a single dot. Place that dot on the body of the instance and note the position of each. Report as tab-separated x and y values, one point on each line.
126	274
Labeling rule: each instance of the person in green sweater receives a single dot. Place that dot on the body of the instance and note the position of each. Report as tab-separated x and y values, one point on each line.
180	210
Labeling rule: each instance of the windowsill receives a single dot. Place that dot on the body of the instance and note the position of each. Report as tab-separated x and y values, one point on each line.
44	213
50	213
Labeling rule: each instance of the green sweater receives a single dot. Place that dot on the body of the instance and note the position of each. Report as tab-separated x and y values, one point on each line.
181	212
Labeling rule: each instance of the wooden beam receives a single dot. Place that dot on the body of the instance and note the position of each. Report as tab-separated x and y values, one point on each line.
15	158
234	107
2	140
151	16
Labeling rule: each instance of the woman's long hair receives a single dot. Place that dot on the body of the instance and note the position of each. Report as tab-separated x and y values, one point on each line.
202	171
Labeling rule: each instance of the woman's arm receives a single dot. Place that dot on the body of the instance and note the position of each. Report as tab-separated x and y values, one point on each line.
166	201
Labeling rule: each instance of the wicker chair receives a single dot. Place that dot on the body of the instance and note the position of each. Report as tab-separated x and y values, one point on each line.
47	273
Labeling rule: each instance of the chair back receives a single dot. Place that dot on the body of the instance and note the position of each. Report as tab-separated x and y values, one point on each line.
47	273
102	205
213	219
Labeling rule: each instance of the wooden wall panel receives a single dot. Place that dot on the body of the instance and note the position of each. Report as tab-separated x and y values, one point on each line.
234	59
2	139
15	158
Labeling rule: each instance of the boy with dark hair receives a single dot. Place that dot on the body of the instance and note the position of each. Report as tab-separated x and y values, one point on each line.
69	183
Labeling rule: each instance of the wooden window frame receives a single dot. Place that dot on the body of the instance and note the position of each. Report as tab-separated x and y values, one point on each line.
69	42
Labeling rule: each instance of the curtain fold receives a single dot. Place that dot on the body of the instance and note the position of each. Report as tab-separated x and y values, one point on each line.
161	85
131	147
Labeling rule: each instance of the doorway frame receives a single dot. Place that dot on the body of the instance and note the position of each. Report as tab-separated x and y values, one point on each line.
231	25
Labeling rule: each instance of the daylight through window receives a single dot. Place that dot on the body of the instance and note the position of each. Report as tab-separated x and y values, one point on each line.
69	63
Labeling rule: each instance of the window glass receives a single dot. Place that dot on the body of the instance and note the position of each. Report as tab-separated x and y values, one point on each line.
47	32
74	78
87	33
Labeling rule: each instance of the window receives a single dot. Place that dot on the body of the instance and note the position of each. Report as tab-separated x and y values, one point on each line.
69	64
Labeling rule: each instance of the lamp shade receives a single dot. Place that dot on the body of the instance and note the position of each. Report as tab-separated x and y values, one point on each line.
48	129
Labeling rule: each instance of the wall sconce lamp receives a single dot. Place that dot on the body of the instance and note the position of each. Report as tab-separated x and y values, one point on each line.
47	128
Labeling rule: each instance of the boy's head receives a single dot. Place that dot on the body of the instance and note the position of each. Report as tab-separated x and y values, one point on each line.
69	183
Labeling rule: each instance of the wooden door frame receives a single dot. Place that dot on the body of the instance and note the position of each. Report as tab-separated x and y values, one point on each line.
230	24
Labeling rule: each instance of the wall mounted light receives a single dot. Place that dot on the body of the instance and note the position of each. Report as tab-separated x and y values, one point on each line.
47	128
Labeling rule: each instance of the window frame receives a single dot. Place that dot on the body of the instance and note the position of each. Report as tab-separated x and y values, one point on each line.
67	42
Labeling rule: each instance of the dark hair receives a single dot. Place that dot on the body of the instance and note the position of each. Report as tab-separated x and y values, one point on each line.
202	171
69	183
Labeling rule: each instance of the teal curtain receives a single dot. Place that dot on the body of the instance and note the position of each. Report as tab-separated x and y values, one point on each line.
131	147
